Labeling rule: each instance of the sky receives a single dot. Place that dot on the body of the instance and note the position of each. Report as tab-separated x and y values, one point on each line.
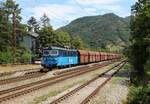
62	12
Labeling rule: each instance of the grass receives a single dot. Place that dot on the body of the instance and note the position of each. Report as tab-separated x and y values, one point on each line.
102	69
57	91
9	68
116	78
127	66
54	93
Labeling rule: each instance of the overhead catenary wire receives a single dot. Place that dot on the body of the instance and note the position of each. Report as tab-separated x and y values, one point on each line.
60	18
82	7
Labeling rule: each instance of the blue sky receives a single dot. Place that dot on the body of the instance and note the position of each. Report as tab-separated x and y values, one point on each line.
61	12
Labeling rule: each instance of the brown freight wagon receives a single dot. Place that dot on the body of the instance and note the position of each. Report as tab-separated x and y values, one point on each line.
92	56
101	56
97	56
105	56
83	57
108	56
113	56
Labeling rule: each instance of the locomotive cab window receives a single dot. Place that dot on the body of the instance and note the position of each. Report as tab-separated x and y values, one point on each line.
53	52
45	52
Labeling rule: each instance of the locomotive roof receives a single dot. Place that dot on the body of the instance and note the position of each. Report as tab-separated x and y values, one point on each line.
60	48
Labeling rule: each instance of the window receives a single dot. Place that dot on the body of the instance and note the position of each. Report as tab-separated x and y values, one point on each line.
53	52
50	52
46	52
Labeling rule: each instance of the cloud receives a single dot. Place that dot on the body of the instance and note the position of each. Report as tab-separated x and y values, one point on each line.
97	2
62	13
117	9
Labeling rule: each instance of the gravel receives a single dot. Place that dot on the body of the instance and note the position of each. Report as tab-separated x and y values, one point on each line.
9	68
28	98
114	92
78	97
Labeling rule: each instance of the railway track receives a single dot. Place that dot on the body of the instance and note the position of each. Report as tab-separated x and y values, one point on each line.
36	73
13	72
77	90
26	76
24	89
65	71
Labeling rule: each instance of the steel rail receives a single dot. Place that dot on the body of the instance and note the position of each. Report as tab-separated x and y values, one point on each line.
44	83
82	86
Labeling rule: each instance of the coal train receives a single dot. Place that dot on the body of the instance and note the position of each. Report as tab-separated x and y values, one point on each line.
63	57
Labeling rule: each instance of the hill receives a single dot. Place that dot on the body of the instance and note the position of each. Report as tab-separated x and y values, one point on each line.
102	31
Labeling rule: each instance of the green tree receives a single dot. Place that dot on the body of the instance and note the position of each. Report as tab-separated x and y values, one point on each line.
5	29
47	36
10	9
9	23
77	42
45	21
63	38
33	24
140	36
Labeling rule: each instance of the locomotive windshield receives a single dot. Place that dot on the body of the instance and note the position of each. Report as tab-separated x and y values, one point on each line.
53	52
46	52
50	52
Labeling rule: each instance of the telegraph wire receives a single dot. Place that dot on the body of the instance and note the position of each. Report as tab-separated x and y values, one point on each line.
60	18
82	7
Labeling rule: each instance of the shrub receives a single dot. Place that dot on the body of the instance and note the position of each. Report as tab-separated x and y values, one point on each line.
25	57
6	56
139	95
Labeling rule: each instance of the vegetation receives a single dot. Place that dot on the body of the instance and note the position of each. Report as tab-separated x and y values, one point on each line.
139	95
8	26
25	57
104	32
63	38
100	32
55	92
139	53
12	32
77	43
33	25
6	56
46	36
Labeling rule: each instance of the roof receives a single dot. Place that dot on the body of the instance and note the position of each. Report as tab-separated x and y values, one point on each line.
83	52
59	48
33	34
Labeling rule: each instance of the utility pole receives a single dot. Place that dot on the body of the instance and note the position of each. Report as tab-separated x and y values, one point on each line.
14	37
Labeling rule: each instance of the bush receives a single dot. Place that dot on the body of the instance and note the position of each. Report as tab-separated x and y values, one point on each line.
25	57
22	56
139	95
147	66
6	57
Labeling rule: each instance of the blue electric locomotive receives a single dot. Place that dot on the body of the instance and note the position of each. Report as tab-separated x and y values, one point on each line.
59	57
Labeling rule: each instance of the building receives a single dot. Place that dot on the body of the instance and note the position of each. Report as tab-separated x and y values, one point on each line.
30	41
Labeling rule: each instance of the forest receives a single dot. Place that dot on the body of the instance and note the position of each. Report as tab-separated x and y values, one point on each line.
138	52
132	34
12	31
